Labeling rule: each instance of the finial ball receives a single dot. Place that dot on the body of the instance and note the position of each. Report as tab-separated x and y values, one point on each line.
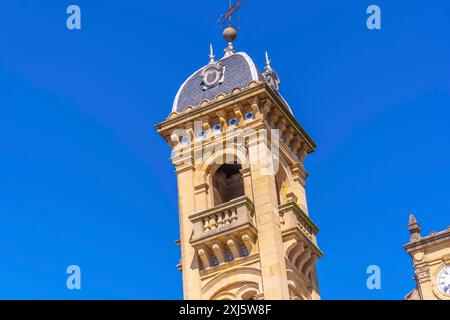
229	34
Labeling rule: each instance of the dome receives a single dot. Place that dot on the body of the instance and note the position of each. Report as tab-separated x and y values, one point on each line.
235	70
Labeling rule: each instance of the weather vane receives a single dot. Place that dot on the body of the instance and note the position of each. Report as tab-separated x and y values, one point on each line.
226	18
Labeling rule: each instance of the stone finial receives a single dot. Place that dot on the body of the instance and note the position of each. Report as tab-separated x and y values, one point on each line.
268	67
414	228
211	54
270	75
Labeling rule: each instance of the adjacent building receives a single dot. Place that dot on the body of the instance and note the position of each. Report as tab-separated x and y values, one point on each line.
431	259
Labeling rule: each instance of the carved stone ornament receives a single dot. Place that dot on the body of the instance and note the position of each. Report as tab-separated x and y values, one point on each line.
212	75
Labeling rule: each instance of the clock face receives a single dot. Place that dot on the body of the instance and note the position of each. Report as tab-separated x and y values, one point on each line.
443	280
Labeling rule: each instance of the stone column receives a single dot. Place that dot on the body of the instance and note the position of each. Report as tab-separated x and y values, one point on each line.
273	267
247	178
190	268
201	197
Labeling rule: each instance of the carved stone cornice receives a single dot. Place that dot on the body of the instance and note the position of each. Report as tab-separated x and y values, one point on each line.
245	171
183	164
201	188
299	173
434	239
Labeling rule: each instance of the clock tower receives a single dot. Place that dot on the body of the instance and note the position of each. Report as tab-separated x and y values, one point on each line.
238	152
431	259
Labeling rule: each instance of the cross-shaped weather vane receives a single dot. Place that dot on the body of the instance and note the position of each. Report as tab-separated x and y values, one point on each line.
226	18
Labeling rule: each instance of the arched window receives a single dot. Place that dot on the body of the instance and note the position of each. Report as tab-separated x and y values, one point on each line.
244	250
228	254
215	261
282	185
228	183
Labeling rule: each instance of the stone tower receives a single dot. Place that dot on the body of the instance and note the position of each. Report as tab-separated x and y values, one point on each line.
431	259
238	151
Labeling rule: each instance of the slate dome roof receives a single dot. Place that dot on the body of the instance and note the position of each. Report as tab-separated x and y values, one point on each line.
238	71
234	70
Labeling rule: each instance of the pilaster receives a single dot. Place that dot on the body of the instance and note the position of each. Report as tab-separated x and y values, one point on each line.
273	267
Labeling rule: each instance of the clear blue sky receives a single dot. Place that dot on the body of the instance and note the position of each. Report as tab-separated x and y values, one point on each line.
85	179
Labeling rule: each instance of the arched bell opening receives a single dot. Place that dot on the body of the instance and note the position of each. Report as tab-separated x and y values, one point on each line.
228	183
282	185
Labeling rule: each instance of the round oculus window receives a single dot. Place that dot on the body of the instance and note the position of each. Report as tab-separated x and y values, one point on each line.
212	76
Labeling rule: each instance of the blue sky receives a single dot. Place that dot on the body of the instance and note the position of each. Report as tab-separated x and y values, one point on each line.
85	179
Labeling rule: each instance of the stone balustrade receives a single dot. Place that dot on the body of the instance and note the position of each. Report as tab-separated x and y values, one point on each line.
238	213
292	216
219	219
